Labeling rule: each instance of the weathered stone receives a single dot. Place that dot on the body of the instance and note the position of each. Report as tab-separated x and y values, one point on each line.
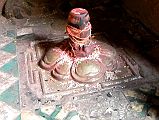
24	31
2	2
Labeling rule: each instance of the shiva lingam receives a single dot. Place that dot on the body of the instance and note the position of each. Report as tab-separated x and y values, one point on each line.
79	58
69	68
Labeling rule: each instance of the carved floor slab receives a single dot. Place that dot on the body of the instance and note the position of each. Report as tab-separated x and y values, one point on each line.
37	86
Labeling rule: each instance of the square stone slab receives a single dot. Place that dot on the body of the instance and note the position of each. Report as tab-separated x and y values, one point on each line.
38	87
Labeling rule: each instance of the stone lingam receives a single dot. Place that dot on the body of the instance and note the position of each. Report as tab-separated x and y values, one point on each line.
80	57
58	69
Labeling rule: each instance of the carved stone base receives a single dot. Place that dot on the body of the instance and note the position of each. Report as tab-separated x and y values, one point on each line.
86	64
37	84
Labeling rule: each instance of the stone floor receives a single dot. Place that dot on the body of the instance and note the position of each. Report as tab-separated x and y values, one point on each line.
9	91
